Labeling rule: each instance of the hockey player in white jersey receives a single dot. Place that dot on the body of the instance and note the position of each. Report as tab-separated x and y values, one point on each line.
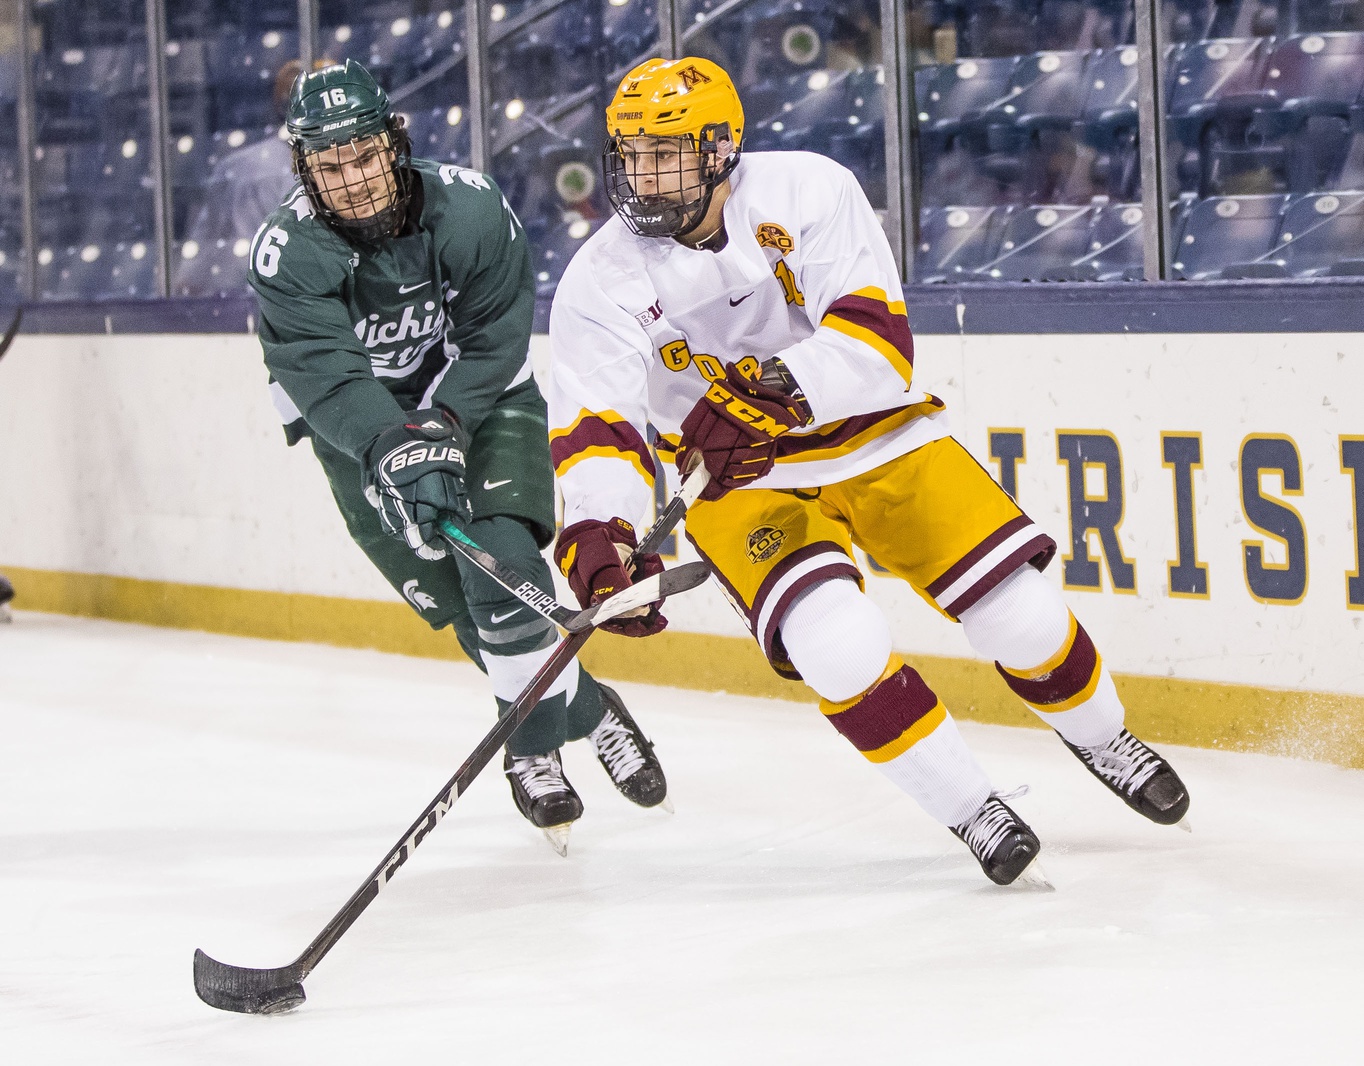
749	307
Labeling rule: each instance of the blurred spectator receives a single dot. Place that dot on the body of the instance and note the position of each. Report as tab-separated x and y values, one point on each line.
249	182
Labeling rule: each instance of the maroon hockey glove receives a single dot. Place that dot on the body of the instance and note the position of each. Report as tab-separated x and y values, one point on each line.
734	427
588	556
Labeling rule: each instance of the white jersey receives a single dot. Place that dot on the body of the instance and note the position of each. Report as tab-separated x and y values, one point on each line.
640	326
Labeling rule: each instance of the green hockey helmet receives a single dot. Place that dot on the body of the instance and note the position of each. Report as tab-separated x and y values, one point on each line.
351	152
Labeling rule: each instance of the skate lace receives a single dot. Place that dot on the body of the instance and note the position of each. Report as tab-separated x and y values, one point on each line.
617	747
540	775
987	827
1127	762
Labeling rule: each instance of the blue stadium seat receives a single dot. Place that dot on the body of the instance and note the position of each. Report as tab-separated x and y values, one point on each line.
82	92
630	32
1228	237
1108	122
441	133
954	242
97	271
1115	244
188	93
242	69
954	94
989	28
1325	16
552	252
210	268
1322	235
1206	72
1040	243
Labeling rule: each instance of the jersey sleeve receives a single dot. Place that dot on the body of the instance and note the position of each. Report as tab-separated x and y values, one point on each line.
860	358
598	403
488	262
310	347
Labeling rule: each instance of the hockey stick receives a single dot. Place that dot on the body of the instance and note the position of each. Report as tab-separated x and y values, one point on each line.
274	991
660	586
8	338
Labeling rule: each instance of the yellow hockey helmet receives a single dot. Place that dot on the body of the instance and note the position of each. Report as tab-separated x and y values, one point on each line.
691	100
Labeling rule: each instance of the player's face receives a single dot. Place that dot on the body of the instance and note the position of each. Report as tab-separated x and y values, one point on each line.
355	179
664	167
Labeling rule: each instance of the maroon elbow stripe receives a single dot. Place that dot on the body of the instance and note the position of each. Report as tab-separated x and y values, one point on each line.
887	711
876	317
595	432
1073	676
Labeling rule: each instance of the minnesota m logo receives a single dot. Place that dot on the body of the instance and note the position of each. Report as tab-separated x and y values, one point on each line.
691	77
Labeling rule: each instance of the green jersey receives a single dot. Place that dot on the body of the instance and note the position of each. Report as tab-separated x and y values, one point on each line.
354	337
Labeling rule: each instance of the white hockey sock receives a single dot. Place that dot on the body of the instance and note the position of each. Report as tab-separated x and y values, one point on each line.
1046	657
510	674
840	642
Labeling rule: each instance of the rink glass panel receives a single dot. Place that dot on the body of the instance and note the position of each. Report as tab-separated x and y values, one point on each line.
551	68
1265	138
1020	155
93	189
11	203
809	74
1027	157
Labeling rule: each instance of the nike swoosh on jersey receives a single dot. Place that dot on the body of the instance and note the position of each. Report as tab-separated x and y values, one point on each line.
405	289
495	484
741	299
497	618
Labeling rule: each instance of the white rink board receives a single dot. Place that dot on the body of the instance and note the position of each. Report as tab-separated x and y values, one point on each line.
160	457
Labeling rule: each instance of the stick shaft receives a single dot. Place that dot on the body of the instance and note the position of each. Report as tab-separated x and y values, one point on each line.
487	748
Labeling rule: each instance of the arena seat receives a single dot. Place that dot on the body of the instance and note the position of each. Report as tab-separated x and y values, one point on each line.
98	271
552	251
1228	237
242	69
1044	242
955	241
1206	72
1322	235
630	32
441	133
209	268
1324	16
1115	244
954	94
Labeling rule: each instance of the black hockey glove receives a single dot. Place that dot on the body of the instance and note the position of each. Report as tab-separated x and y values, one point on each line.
414	474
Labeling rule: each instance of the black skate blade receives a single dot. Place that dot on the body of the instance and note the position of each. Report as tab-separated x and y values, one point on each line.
246	990
557	835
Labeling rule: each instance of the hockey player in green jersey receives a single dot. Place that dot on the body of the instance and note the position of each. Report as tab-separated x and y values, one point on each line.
395	313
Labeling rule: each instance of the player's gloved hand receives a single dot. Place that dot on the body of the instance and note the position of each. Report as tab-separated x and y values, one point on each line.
592	555
414	473
734	428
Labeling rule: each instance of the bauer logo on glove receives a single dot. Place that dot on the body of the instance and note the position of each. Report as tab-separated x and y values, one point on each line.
415	475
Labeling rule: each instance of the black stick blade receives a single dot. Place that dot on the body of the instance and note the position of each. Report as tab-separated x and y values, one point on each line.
245	990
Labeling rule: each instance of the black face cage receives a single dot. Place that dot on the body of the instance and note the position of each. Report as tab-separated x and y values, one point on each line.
678	211
380	224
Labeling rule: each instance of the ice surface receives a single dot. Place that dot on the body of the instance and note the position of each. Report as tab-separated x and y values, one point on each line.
161	791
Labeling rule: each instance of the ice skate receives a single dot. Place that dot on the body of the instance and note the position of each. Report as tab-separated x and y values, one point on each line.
1003	844
6	594
543	794
1140	777
627	755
